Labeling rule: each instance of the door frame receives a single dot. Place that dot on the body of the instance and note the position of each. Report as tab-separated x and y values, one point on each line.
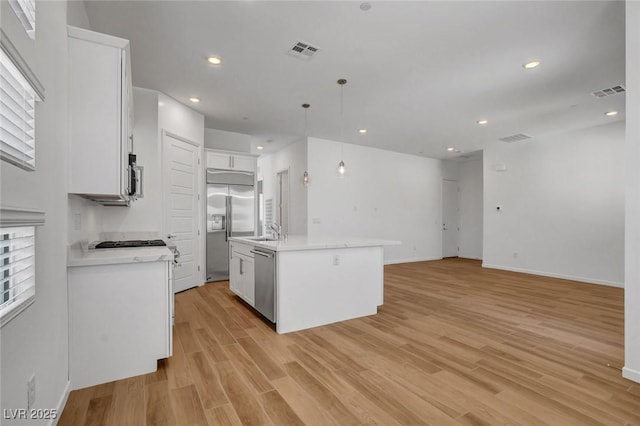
457	198
277	193
200	208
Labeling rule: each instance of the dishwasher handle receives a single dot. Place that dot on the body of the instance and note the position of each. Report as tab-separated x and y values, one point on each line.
261	253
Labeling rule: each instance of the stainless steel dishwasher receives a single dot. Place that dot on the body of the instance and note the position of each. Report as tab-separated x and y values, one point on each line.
265	282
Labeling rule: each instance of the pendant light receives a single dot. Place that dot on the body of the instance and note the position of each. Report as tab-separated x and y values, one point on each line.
305	175
342	170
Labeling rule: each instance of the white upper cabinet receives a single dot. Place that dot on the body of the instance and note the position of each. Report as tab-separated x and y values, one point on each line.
228	161
100	116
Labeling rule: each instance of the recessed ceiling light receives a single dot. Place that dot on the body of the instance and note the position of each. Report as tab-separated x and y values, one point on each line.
269	140
482	122
611	113
365	6
194	100
214	60
259	147
362	130
531	64
451	149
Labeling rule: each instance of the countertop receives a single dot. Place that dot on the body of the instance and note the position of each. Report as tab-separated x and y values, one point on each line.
303	242
79	255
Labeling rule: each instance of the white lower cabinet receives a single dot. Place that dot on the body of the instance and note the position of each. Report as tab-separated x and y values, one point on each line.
242	272
120	320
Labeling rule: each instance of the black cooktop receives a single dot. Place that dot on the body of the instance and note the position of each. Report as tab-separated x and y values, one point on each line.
130	243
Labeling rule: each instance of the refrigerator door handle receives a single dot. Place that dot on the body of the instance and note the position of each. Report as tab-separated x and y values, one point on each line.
229	218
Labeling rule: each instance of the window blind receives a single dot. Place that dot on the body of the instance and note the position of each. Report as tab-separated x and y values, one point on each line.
17	108
17	269
26	11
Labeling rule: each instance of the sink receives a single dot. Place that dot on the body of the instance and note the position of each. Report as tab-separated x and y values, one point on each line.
262	239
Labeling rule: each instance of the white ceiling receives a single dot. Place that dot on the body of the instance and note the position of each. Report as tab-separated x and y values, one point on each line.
420	74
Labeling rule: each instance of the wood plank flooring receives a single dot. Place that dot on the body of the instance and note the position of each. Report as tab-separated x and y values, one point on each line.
453	344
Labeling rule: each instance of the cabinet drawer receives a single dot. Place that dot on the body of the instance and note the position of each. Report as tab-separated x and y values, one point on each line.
243	250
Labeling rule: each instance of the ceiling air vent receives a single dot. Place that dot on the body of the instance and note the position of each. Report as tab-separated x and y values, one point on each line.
515	138
608	91
303	50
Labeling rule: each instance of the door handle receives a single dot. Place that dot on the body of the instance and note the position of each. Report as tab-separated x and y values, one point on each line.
169	236
241	266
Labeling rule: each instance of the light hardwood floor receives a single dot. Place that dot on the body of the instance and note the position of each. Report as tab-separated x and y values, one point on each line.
453	344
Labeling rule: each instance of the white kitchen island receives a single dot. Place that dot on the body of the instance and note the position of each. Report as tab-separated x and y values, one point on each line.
320	281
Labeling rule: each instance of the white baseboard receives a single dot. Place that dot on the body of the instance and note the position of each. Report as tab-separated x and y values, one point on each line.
630	374
470	257
554	275
421	259
62	403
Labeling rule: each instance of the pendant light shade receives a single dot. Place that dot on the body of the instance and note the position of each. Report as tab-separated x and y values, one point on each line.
342	169
305	175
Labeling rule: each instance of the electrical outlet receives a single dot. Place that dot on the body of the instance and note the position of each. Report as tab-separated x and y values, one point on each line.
316	221
336	260
31	392
515	254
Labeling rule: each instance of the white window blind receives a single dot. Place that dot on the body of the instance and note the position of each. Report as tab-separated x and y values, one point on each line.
17	270
26	11
19	91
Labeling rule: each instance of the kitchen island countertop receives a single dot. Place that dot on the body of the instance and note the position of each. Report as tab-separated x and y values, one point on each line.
304	242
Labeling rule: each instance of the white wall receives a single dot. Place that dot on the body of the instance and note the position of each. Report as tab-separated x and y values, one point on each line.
293	158
562	201
180	120
384	195
142	215
77	14
228	141
36	342
471	205
632	233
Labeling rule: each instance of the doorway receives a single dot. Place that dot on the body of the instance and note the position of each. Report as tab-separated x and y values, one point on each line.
181	207
282	199
450	218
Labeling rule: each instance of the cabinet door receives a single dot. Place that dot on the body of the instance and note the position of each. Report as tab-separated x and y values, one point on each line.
217	160
248	280
235	278
95	147
245	164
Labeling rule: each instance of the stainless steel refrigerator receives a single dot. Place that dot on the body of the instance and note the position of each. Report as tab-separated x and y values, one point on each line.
230	213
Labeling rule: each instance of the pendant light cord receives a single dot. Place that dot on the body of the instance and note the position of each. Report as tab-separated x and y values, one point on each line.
342	82
342	122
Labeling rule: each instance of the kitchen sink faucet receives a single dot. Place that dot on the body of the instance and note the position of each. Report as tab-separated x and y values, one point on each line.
276	229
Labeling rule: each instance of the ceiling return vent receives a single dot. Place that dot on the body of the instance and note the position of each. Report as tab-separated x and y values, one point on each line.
303	50
608	91
515	138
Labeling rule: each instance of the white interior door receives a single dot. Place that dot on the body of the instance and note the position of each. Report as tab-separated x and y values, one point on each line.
182	212
450	218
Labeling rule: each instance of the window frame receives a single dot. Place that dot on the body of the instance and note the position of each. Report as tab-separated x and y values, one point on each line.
19	218
38	91
26	17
